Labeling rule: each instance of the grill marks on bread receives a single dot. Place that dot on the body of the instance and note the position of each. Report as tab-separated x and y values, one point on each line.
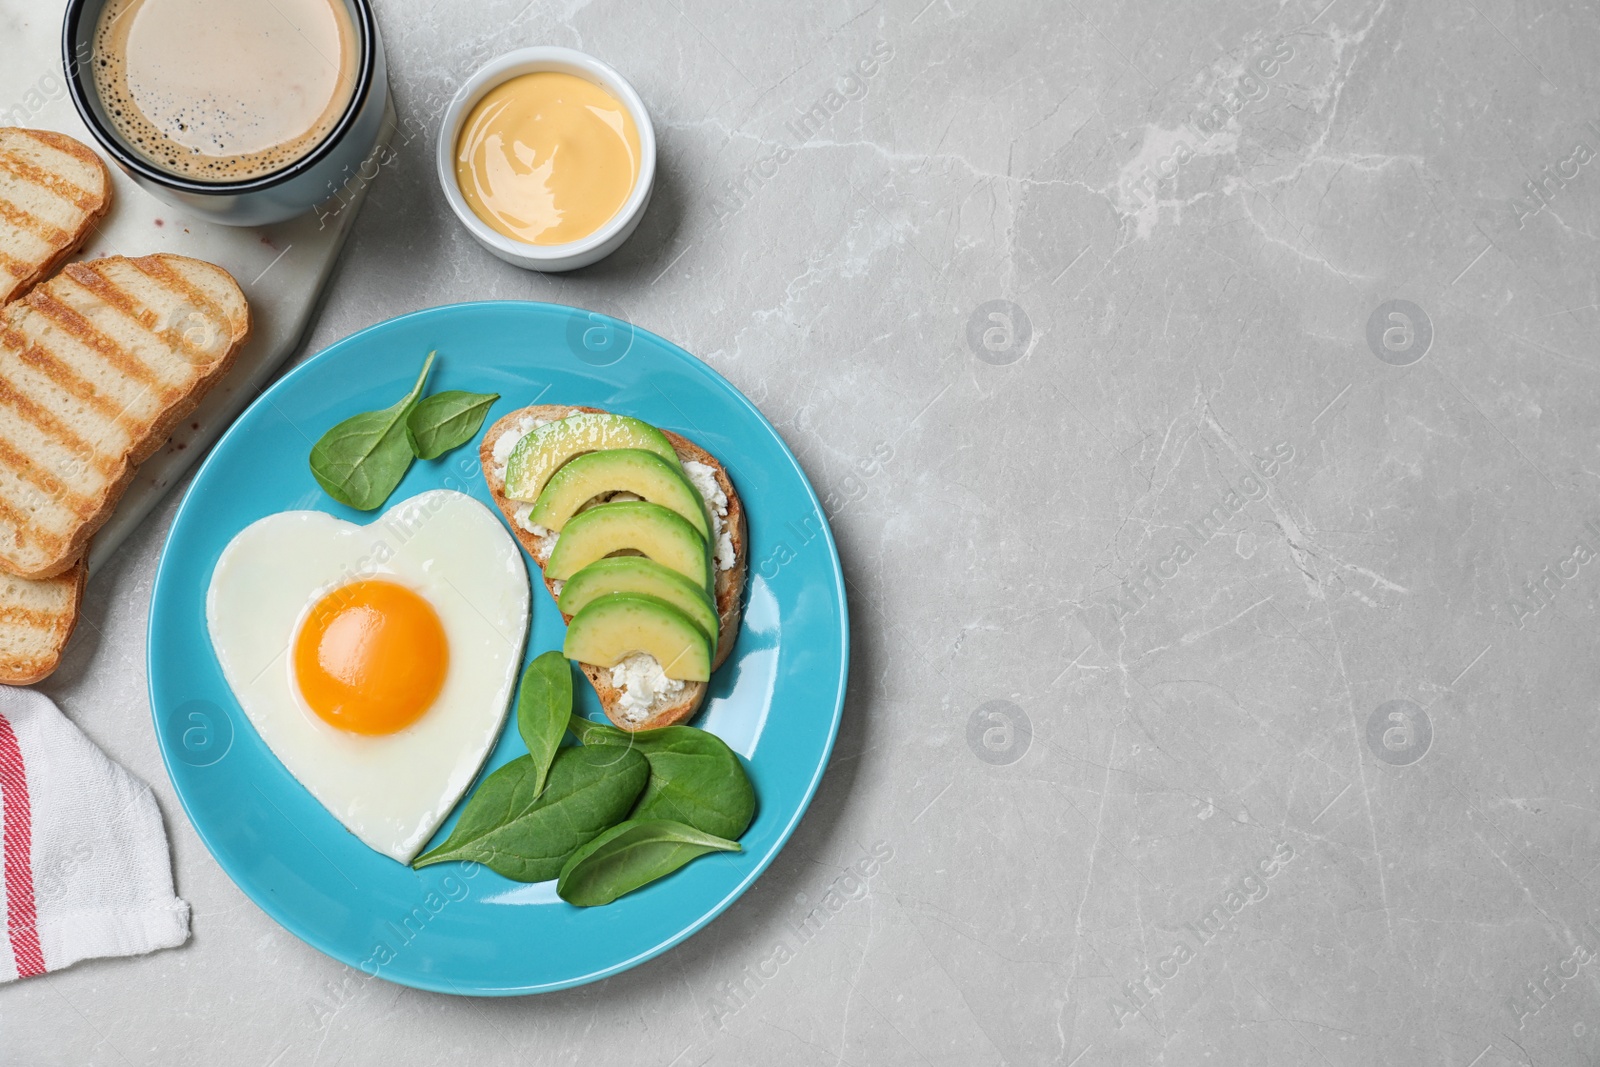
36	619
97	366
53	190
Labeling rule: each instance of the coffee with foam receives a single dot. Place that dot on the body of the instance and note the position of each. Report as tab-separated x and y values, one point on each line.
225	90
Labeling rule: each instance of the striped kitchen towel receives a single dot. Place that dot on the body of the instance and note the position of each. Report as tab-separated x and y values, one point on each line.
86	871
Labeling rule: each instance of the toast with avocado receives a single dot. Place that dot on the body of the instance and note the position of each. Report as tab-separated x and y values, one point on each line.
642	540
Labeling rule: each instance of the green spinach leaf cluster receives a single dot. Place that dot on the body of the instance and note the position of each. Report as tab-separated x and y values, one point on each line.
603	817
360	461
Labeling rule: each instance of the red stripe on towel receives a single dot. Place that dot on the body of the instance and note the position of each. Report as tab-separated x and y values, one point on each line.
21	921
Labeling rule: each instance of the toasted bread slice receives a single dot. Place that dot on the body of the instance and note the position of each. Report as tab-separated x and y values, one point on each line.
97	366
730	581
36	619
53	190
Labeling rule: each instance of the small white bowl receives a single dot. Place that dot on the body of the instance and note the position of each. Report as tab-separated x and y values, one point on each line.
574	254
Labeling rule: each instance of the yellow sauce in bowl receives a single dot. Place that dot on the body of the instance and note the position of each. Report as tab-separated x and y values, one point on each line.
547	158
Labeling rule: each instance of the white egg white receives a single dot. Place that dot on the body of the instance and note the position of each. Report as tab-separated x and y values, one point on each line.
392	791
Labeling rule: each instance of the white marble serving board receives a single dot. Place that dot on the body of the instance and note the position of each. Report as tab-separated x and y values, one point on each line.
281	268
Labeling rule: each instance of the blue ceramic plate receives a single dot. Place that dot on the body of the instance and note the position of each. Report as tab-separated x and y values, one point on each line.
776	701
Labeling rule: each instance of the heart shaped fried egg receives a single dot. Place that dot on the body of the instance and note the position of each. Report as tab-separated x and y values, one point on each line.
376	662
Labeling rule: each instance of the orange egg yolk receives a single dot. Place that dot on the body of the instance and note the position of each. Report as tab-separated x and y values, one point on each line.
371	657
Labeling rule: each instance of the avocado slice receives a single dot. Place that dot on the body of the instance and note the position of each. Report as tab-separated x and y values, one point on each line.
636	574
636	525
546	449
631	470
616	625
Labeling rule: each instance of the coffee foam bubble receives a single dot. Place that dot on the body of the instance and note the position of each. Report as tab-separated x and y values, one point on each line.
210	124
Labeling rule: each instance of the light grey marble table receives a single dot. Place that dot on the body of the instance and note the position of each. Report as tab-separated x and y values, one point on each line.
1206	398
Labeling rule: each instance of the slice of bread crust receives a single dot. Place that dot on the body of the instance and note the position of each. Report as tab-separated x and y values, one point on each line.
98	365
53	191
36	619
730	583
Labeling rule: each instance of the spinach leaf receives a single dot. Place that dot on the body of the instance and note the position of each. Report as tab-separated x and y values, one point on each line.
630	855
544	707
598	733
695	778
361	460
446	420
514	830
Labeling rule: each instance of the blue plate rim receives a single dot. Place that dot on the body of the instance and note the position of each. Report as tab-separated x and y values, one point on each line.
279	915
